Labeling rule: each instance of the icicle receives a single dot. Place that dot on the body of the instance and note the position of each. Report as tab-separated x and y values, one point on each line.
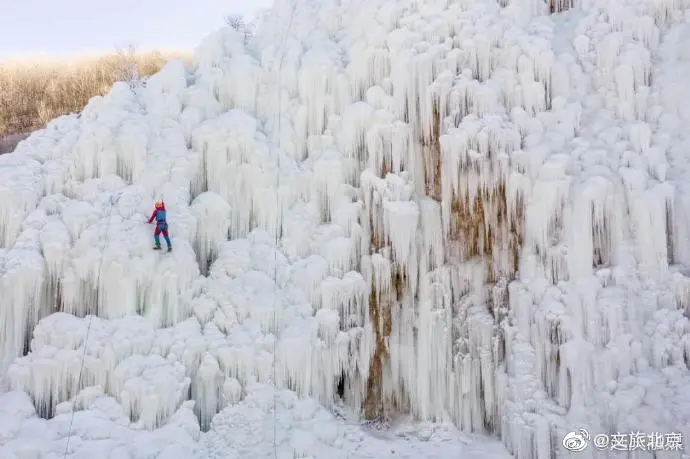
401	220
340	254
479	56
352	139
22	277
403	77
355	309
607	52
648	211
20	191
347	217
207	388
641	137
317	76
213	215
347	296
131	144
55	243
371	66
664	10
625	86
232	391
308	274
164	301
326	183
377	272
586	212
647	32
574	357
433	378
432	230
150	388
300	132
239	84
533	97
423	117
329	325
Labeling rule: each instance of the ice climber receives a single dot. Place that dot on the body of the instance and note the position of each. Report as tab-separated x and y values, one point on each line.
159	215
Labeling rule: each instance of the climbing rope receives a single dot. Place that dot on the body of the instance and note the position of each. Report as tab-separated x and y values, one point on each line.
278	231
90	321
169	180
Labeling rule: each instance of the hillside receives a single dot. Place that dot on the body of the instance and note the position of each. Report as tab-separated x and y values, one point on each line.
34	92
469	212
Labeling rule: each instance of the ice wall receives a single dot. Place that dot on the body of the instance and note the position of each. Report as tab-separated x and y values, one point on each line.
478	211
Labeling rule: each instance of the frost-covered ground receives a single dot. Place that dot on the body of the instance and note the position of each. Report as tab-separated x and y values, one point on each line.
470	211
300	428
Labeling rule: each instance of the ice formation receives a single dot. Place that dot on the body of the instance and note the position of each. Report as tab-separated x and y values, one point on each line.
472	211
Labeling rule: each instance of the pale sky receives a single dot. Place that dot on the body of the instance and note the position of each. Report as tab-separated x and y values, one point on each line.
58	28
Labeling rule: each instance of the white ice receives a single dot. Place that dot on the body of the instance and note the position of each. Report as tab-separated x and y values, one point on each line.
490	198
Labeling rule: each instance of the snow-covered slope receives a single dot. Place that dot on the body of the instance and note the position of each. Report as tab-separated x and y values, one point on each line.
468	211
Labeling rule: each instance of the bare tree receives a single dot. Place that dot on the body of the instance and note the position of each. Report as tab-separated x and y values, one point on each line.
238	23
128	67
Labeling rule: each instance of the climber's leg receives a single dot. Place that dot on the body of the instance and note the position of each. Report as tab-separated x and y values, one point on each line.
167	238
157	237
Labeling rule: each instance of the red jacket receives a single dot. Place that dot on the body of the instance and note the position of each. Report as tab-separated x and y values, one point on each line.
155	212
